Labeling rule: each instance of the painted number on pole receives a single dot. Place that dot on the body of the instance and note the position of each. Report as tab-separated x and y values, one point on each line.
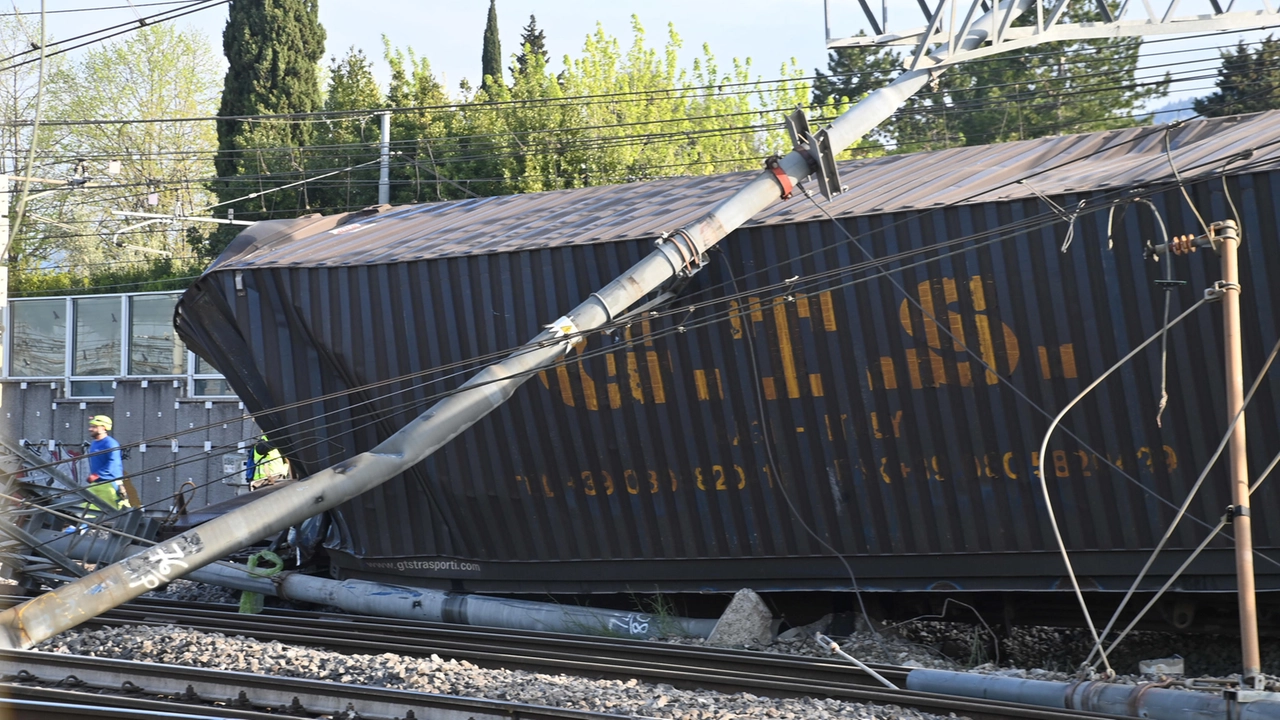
156	566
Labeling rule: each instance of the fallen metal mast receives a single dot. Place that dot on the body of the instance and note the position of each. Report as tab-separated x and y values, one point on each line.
677	255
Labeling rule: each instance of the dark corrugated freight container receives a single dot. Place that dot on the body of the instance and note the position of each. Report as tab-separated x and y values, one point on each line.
792	402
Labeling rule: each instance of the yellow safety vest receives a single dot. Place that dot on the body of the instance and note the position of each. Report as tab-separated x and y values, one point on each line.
269	465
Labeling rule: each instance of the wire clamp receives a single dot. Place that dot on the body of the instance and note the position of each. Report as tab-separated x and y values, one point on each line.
1235	511
682	252
774	165
1219	289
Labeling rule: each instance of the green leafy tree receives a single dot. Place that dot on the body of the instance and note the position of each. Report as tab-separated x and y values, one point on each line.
422	135
1055	89
156	73
655	119
519	145
1248	81
348	141
852	72
151	164
273	48
532	42
652	118
19	93
491	51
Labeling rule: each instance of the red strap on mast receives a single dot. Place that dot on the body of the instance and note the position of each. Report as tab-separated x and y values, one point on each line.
774	166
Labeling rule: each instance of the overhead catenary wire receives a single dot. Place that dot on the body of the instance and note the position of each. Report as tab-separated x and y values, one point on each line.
716	89
193	7
461	367
1195	487
876	263
99	8
31	153
1044	483
752	112
1173	577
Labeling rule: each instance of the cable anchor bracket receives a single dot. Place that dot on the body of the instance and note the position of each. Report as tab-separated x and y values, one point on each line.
1235	511
816	149
1219	289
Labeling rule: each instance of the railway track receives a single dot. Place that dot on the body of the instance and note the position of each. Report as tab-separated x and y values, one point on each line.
681	666
75	683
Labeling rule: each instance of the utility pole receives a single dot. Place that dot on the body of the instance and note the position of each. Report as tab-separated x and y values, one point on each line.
1225	237
4	273
384	174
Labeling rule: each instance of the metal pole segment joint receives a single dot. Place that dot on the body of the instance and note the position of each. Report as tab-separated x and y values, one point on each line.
680	249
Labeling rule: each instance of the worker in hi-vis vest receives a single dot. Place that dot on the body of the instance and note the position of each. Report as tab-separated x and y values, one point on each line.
267	466
105	466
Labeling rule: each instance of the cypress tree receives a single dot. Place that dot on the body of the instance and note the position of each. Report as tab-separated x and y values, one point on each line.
491	55
273	48
532	42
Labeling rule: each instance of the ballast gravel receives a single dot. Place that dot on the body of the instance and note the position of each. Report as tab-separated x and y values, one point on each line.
175	646
1039	653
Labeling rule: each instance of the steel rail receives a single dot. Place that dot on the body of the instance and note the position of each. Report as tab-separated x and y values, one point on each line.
249	691
45	703
681	666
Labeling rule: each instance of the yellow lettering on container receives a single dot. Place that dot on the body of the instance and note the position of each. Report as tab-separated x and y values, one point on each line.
889	373
784	346
700	384
1068	353
655	377
828	311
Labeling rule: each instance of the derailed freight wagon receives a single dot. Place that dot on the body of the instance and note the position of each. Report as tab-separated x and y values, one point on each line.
794	400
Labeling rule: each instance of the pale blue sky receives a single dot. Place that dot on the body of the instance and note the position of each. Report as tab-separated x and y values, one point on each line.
449	33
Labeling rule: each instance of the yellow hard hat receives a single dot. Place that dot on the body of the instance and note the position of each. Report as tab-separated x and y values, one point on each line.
103	421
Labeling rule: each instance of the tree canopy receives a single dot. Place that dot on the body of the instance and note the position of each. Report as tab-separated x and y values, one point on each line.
273	49
1052	89
532	42
491	51
1248	81
141	162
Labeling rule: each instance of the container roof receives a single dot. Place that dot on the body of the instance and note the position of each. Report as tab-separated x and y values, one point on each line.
1050	166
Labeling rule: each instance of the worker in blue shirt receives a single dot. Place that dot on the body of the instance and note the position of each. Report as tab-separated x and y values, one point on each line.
105	466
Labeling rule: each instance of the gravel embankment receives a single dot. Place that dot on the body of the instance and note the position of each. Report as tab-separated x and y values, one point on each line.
1031	652
440	675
